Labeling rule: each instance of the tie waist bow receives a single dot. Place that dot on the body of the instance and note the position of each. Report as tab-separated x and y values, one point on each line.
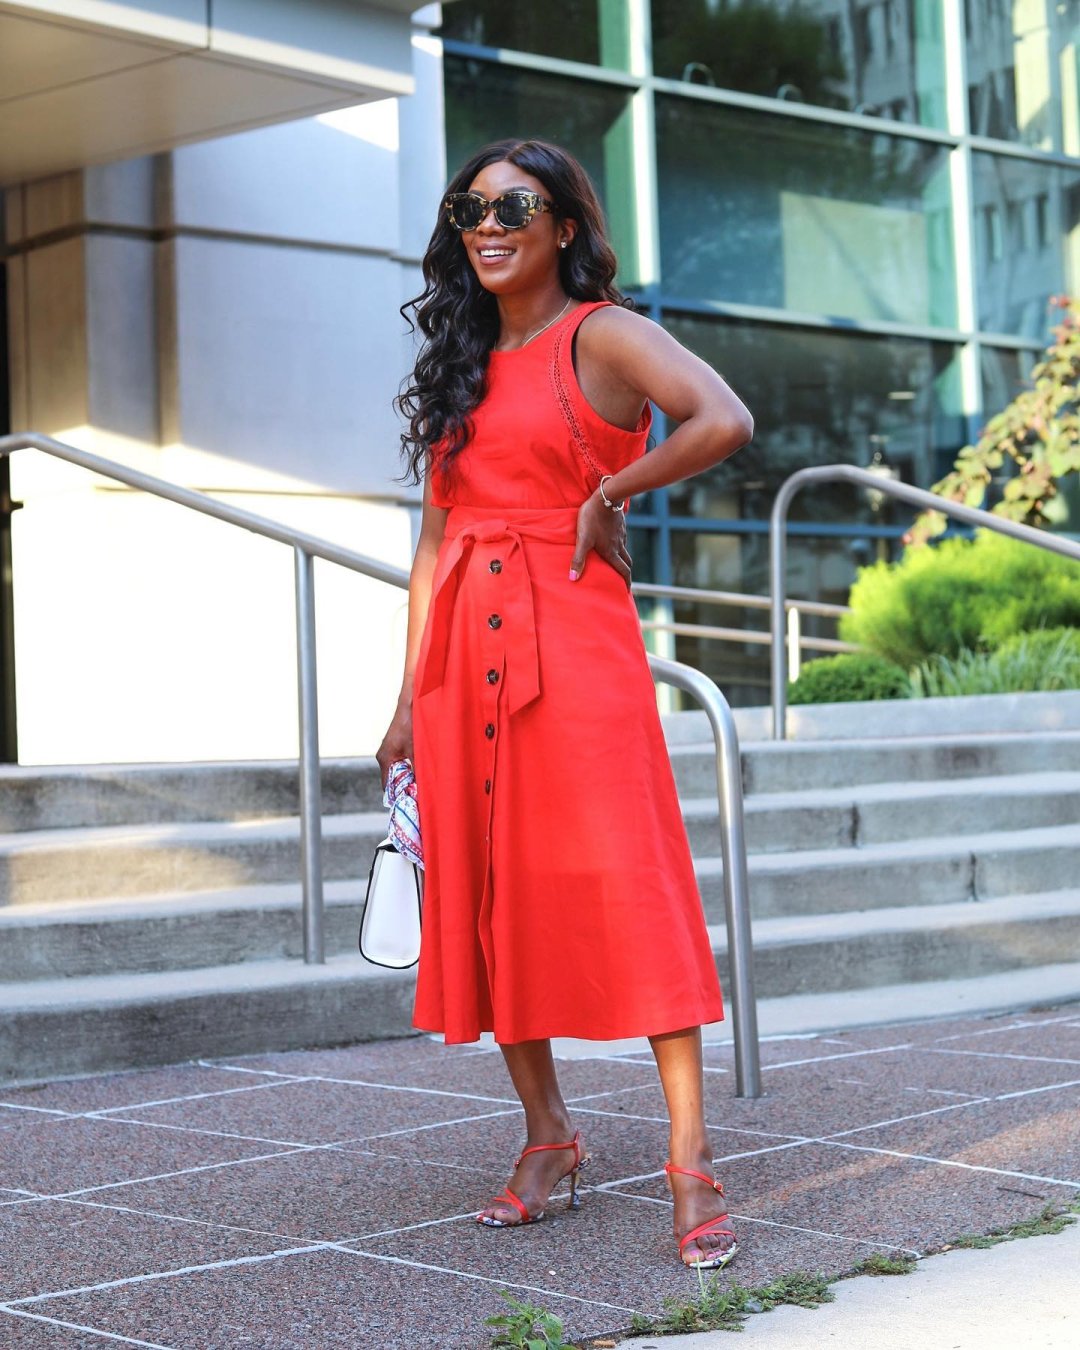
511	588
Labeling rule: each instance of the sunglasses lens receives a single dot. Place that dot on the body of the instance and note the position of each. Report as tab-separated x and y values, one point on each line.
512	211
466	212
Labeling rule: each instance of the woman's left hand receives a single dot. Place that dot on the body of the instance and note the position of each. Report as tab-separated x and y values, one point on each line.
602	529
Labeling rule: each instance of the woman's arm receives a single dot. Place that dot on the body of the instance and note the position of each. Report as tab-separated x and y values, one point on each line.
398	741
627	356
623	359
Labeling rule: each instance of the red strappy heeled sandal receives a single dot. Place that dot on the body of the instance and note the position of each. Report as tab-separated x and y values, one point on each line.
708	1228
580	1160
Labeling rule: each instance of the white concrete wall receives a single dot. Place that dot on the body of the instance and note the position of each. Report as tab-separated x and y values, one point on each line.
239	334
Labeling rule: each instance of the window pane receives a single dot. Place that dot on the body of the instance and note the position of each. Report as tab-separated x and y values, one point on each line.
486	102
885	59
1027	241
1005	373
593	31
1011	51
782	212
822	397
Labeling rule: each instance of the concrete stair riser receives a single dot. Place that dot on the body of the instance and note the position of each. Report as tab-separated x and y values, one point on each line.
908	812
304	1007
794	767
170	938
842	888
865	961
203	858
134	794
938	872
926	817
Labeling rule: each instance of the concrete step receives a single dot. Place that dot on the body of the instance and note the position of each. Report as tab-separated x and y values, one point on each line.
115	862
874	813
49	1028
794	766
171	931
826	953
82	1024
923	872
69	797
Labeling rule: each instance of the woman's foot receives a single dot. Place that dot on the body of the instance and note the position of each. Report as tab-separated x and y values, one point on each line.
696	1203
536	1175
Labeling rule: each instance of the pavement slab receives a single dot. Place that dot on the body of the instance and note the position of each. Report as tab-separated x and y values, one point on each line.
57	1244
112	1091
74	1153
326	1198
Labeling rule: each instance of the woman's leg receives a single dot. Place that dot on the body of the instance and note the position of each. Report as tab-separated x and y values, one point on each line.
678	1058
547	1121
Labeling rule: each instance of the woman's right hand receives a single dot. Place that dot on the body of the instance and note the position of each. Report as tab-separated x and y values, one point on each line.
398	741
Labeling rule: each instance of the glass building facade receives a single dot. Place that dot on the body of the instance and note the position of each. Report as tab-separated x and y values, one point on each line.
856	212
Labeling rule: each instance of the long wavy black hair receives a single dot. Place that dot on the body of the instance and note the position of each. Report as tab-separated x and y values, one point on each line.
460	319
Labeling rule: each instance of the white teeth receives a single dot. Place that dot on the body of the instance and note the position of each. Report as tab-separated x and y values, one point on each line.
496	252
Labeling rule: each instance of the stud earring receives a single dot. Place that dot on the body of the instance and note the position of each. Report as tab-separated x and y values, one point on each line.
564	243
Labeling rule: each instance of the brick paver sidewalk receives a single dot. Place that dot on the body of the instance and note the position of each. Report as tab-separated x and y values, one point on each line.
323	1198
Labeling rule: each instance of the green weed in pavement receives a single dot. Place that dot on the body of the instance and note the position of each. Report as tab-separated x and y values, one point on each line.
527	1327
882	1264
1050	1219
726	1309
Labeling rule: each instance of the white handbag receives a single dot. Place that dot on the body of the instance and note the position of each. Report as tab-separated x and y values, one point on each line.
390	927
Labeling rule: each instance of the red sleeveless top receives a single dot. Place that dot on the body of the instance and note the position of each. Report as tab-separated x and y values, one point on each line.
538	442
559	892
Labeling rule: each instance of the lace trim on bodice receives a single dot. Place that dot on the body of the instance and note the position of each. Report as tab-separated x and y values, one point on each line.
561	374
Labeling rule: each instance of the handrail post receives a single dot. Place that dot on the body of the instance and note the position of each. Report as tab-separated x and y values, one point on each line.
736	879
310	785
777	606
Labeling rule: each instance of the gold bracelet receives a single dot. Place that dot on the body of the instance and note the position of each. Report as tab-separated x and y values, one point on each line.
621	507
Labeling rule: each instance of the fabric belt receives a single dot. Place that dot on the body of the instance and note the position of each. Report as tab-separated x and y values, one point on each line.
467	526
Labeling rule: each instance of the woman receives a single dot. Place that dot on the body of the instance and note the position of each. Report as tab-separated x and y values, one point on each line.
560	897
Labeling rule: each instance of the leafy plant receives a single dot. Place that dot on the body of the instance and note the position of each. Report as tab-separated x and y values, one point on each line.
1047	659
1039	432
964	593
726	1309
850	678
527	1327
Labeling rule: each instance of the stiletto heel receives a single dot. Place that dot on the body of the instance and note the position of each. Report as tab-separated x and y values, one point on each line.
575	1199
580	1160
711	1227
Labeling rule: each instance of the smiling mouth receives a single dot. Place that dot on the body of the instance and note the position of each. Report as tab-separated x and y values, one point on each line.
494	254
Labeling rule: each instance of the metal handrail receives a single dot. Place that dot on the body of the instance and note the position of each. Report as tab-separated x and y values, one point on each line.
913	496
733	850
797	643
306	548
737	599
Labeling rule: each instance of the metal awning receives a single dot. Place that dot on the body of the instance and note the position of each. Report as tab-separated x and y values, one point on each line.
83	83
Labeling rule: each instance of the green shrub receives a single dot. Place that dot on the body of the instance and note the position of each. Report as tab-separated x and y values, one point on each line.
1046	659
851	678
963	594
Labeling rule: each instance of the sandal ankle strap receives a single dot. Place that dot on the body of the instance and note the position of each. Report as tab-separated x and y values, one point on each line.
574	1143
670	1167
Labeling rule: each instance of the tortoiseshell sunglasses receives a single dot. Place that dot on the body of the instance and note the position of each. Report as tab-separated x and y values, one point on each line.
513	210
